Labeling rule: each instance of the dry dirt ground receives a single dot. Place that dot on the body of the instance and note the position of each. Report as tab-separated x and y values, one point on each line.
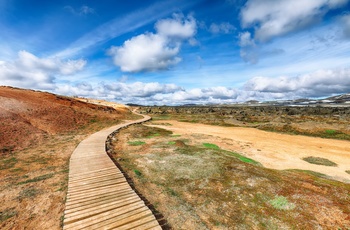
38	133
273	150
190	177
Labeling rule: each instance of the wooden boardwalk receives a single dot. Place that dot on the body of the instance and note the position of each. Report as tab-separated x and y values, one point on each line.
99	197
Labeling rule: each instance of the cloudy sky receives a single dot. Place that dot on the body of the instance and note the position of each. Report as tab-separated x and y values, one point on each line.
177	51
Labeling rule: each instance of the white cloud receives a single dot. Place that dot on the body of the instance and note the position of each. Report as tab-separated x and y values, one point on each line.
120	91
122	25
150	52
29	71
145	52
320	83
223	27
245	39
272	18
140	89
316	84
249	51
177	27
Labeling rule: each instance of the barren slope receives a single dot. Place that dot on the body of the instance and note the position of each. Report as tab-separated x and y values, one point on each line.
27	117
38	133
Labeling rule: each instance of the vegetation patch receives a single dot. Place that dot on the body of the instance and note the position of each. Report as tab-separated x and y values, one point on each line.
28	193
136	143
8	163
309	172
244	159
330	132
36	179
171	143
281	203
137	172
211	146
319	161
148	132
347	171
7	214
154	135
160	117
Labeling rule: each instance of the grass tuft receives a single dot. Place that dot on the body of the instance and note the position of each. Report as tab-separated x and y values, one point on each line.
7	214
154	135
244	159
211	146
282	203
330	132
36	179
8	163
319	161
137	172
171	143
136	143
347	171
28	193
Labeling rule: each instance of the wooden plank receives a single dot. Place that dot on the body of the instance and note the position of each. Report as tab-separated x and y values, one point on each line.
99	196
98	221
108	196
79	199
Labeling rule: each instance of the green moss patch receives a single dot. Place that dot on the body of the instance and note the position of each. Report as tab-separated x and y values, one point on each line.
319	161
281	203
211	146
136	143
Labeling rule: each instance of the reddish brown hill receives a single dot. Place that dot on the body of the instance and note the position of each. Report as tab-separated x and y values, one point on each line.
27	117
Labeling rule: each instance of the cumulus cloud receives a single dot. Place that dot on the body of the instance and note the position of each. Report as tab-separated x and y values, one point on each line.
223	27
320	83
155	51
145	52
177	27
150	93
316	84
272	18
30	71
140	89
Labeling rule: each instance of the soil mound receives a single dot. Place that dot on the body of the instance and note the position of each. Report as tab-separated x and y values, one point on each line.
27	116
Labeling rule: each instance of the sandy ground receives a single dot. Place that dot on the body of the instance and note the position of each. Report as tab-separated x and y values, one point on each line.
103	102
273	150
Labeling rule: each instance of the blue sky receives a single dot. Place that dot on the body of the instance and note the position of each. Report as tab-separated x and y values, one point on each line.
177	51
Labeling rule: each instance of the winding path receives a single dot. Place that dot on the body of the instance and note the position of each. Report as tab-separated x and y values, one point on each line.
99	197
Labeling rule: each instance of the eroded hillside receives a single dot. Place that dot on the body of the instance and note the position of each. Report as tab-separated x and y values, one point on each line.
39	132
27	117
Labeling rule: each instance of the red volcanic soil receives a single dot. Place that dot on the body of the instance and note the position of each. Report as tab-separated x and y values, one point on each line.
27	116
38	133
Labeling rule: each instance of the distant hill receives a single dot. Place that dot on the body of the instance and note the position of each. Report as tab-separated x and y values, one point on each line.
27	116
340	98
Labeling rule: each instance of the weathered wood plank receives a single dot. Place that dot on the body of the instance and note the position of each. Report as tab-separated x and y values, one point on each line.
99	196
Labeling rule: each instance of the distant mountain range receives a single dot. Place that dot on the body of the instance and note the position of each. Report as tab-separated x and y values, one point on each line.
339	100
